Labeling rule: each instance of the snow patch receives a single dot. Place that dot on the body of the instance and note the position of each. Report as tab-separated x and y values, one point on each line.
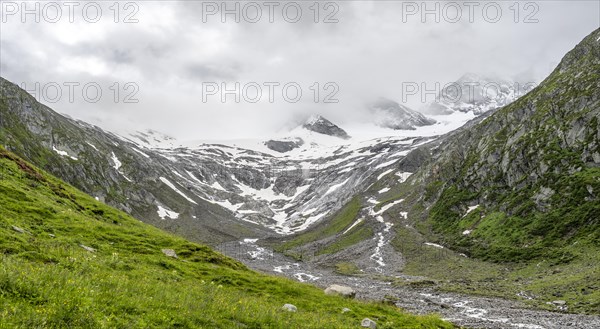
169	184
466	232
63	153
300	190
217	186
336	186
470	209
117	163
358	221
308	222
227	205
193	177
384	173
247	212
385	164
140	152
383	190
434	245
92	145
383	209
403	176
267	194
388	226
349	165
162	213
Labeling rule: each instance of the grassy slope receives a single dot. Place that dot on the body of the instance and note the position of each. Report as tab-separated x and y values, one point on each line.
340	221
524	137
329	234
576	282
48	280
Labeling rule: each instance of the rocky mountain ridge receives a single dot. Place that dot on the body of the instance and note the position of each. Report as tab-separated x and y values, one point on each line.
477	94
319	124
532	165
208	192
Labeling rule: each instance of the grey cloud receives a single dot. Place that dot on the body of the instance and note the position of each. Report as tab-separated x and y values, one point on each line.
122	56
371	52
212	72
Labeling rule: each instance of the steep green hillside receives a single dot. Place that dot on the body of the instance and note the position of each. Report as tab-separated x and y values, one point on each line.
83	155
532	169
514	196
70	261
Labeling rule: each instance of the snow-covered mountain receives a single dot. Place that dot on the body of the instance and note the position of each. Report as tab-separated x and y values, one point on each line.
390	114
315	125
214	188
289	191
476	94
319	124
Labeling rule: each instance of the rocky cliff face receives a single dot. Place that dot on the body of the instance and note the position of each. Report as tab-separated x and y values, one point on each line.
525	180
284	145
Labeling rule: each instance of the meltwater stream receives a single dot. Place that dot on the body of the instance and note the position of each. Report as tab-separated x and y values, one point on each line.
462	310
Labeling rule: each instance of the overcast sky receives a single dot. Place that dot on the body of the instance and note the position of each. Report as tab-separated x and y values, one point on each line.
173	57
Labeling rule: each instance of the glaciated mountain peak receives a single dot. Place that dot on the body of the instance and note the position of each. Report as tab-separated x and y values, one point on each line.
319	124
387	113
315	118
538	157
477	94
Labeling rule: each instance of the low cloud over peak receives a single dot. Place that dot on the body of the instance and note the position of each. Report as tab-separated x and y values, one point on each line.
153	61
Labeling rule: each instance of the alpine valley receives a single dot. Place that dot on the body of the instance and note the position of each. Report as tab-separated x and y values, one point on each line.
485	212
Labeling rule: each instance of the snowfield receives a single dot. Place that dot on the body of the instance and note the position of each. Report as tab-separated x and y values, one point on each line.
287	192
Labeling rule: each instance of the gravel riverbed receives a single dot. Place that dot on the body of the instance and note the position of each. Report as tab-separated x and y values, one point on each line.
463	310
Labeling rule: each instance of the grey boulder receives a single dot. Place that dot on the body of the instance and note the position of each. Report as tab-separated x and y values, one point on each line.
368	323
336	289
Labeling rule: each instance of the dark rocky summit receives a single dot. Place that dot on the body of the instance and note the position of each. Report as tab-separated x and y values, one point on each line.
323	126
